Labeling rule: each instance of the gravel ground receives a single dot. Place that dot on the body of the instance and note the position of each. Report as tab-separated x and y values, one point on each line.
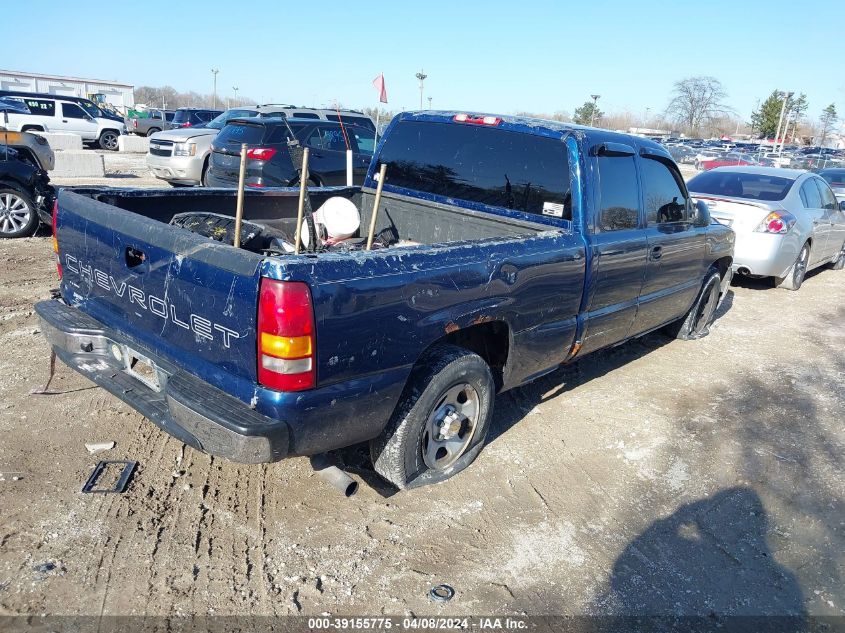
657	477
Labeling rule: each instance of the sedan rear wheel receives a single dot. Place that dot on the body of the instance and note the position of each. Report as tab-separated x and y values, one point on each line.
17	214
796	273
839	262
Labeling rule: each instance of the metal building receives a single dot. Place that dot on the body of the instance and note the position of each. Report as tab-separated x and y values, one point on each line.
119	95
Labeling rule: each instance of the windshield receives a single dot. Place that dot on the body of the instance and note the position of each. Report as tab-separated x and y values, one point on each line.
218	122
91	108
741	185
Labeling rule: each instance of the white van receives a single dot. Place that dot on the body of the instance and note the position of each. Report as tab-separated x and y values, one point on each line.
60	115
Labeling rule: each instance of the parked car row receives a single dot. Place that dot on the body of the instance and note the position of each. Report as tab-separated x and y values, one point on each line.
189	156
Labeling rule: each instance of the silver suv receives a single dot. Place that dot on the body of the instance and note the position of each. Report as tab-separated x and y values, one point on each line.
181	156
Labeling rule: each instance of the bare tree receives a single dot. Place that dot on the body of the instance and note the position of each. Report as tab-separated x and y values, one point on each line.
696	101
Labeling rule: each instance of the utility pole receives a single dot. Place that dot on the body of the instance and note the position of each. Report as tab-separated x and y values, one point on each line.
235	88
421	76
429	103
786	97
593	113
214	72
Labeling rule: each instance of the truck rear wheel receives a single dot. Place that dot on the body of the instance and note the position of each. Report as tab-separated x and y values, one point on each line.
108	140
441	421
696	324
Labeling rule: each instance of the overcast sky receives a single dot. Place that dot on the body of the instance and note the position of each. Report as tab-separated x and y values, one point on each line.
483	56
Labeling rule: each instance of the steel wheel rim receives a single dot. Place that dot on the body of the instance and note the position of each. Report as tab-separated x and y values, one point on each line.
110	140
707	309
801	266
451	426
15	213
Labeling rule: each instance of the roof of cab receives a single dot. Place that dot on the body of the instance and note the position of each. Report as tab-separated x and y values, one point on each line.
530	125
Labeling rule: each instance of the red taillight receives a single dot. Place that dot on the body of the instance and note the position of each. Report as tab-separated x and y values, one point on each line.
286	347
478	120
56	239
260	153
255	185
135	123
777	222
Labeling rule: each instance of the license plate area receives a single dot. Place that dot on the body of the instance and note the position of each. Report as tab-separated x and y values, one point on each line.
142	368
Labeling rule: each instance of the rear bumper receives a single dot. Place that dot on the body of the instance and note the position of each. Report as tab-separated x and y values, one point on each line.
765	254
186	407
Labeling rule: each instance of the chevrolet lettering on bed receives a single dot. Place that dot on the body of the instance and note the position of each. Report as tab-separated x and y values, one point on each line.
503	247
156	306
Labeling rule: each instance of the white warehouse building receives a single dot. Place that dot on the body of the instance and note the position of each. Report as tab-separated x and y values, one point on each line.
119	95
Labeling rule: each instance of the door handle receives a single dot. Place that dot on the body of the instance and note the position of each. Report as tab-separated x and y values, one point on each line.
657	252
64	120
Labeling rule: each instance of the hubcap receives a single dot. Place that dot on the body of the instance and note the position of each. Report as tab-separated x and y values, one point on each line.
110	140
14	213
451	426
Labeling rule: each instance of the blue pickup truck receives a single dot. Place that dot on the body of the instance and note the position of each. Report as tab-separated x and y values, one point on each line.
523	244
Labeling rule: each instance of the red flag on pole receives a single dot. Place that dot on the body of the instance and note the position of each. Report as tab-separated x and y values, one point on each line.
378	83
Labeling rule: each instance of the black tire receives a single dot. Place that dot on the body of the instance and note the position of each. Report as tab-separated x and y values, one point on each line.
839	262
152	131
445	373
18	215
204	176
796	273
108	140
696	323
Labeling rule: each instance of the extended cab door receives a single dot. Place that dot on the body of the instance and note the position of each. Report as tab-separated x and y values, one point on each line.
676	248
619	247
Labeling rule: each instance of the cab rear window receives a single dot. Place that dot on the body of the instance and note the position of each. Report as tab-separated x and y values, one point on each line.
480	163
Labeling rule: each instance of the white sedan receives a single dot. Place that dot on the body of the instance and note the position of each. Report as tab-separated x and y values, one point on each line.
787	221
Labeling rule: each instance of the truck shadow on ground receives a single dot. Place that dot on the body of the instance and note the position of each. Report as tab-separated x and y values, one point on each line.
709	558
773	436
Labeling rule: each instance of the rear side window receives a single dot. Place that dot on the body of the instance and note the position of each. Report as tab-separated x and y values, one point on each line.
618	193
828	199
353	120
330	138
810	195
41	107
663	193
181	116
72	111
365	139
480	163
240	133
280	133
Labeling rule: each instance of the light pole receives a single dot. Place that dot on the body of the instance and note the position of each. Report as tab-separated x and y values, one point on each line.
647	110
421	76
593	113
235	88
429	103
786	97
214	72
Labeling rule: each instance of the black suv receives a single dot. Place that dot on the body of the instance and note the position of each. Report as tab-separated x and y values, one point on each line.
269	162
193	117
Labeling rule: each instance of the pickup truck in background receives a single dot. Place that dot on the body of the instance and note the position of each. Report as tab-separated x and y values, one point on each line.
155	121
517	245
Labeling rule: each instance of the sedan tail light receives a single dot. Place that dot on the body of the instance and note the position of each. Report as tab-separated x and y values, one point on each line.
778	222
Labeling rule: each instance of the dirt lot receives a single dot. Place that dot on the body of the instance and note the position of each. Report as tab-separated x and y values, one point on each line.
658	477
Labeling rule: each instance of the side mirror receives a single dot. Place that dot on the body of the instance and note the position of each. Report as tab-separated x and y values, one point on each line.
701	214
842	206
